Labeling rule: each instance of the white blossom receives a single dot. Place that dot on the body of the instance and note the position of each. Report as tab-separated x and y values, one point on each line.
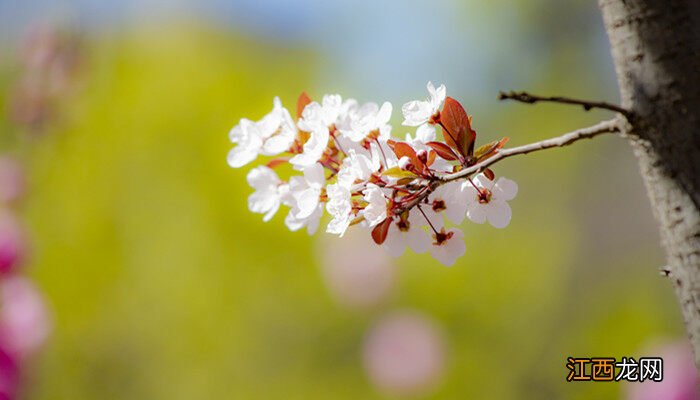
268	191
417	112
407	232
362	121
339	205
304	198
279	130
375	211
345	150
313	148
272	135
448	246
450	200
490	202
311	222
362	164
249	141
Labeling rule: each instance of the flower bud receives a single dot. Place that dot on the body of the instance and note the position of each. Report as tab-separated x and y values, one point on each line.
422	156
405	163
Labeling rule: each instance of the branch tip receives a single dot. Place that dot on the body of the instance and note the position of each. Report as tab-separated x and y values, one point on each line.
525	97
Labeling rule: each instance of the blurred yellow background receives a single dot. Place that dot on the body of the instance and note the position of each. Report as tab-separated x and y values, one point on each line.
162	285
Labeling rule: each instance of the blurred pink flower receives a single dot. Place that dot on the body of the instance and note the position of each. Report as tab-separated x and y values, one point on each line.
404	353
680	377
24	319
9	375
12	183
12	244
357	272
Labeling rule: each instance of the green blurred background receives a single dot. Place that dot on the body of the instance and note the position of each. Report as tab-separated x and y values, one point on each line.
163	285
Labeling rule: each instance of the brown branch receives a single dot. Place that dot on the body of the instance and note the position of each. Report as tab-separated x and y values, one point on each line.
528	98
566	139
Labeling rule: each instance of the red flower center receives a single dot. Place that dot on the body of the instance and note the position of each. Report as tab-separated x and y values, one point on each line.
484	196
439	205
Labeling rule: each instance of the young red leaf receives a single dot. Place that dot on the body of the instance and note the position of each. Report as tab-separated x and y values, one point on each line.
466	140
302	102
457	127
403	149
380	231
443	150
431	158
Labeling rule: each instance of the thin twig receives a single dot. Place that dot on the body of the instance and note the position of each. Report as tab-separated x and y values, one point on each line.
610	126
528	98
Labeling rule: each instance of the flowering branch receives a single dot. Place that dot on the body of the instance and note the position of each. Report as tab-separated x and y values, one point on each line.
403	191
528	98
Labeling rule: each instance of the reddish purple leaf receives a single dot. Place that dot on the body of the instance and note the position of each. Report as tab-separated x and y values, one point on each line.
302	102
380	231
443	150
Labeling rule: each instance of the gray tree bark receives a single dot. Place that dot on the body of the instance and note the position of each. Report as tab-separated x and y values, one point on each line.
655	47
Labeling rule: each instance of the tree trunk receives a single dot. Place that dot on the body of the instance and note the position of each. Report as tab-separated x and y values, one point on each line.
656	50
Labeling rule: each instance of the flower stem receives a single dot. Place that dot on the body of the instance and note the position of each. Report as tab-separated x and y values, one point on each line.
427	219
386	164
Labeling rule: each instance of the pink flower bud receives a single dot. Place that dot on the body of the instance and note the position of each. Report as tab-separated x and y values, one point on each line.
422	155
12	183
24	320
12	244
404	354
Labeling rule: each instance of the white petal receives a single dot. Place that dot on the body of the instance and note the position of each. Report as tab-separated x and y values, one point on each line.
384	114
449	251
292	222
261	201
470	194
484	182
505	189
375	211
431	89
314	175
240	156
498	213
338	226
314	220
476	213
262	177
394	244
426	133
439	96
416	113
418	239
278	144
456	212
307	201
272	211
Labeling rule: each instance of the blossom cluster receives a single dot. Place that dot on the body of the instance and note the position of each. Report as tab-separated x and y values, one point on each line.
345	161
